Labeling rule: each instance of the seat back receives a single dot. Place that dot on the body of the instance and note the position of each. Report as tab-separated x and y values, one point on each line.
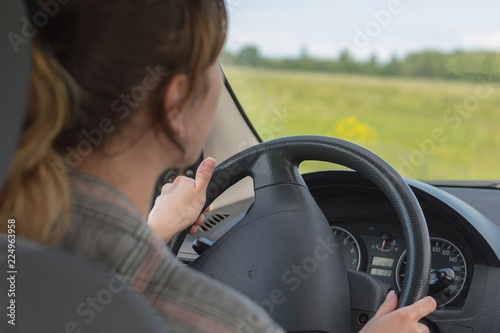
48	291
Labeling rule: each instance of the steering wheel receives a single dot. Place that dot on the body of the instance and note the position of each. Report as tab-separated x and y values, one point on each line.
283	254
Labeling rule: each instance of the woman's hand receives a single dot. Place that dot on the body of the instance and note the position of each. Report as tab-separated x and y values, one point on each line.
388	319
180	203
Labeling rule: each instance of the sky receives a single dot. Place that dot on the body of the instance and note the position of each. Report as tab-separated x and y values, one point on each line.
284	28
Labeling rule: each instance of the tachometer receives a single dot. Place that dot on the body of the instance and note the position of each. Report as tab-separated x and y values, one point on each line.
444	254
350	248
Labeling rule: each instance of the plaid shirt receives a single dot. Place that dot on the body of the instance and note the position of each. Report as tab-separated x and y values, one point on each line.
106	227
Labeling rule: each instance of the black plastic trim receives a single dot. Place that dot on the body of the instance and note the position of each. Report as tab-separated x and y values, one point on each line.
477	184
480	223
473	224
239	107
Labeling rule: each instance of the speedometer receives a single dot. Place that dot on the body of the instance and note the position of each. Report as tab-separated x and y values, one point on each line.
349	247
444	254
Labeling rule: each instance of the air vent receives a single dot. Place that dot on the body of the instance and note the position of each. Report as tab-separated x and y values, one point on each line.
212	221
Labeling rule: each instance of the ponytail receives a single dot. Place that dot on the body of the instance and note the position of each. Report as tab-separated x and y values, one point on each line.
36	191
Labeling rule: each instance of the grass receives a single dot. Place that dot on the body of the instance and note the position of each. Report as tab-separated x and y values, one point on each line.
416	125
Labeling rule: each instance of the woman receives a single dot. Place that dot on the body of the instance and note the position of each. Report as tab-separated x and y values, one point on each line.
122	90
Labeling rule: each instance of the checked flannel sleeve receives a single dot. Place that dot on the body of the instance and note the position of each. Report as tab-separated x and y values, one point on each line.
106	227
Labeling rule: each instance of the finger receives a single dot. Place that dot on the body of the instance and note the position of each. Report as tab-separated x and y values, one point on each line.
390	304
422	328
204	174
423	307
200	220
166	187
193	230
207	209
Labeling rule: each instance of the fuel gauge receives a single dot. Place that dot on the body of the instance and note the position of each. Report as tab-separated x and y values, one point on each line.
386	244
383	252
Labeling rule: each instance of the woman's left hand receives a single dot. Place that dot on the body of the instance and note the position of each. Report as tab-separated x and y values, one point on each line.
180	203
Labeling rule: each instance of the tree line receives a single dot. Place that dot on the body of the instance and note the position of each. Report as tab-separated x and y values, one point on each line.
425	64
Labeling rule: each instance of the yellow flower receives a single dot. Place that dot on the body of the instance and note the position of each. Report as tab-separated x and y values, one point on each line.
351	129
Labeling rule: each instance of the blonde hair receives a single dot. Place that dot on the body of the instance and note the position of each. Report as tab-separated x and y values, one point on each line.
35	193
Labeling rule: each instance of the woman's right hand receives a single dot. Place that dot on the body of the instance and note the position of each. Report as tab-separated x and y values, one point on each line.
179	205
404	320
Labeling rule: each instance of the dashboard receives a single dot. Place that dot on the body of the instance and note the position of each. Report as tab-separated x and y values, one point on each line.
372	241
464	242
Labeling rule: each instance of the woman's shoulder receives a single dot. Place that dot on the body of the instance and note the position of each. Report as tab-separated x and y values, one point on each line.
105	226
94	194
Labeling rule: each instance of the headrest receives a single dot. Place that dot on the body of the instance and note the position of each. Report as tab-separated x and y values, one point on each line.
14	79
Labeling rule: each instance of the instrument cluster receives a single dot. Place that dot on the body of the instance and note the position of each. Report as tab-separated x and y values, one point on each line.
380	250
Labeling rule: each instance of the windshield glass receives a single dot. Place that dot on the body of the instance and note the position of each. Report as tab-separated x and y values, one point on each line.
416	82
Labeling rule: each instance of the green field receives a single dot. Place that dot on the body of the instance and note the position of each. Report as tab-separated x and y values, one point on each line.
426	129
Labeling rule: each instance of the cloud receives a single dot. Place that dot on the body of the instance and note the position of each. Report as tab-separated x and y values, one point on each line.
490	41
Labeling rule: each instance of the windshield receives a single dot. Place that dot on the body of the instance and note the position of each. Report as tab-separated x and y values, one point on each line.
416	82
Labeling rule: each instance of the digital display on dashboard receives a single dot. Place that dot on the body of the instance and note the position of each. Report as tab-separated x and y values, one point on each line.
380	272
383	262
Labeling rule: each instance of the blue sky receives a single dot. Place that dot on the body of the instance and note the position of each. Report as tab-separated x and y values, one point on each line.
324	27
